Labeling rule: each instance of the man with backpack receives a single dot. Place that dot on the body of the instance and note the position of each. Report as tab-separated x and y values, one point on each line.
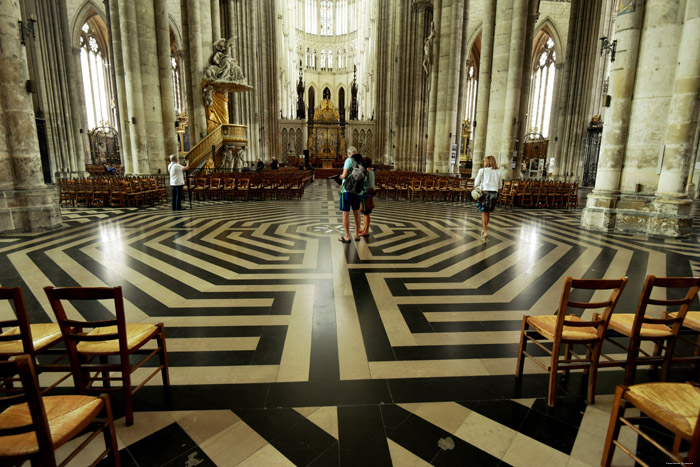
353	178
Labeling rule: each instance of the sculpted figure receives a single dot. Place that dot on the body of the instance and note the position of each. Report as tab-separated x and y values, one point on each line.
223	66
427	49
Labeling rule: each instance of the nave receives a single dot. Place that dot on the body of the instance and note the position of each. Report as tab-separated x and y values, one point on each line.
287	347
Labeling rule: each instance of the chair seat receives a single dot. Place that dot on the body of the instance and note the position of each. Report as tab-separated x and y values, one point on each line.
622	323
547	324
67	416
136	334
43	335
674	405
691	320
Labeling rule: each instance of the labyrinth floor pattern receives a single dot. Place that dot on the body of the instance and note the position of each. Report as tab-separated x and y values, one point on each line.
288	347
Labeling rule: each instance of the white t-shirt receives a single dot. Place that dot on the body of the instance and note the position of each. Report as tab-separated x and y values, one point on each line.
176	177
488	179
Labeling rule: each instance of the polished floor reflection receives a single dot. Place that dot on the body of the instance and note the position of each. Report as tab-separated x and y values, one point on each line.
288	347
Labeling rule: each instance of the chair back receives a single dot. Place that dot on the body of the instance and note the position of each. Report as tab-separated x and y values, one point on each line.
606	307
23	367
686	288
73	330
16	299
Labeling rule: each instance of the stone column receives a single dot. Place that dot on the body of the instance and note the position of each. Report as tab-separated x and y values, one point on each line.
215	21
198	119
120	87
482	99
73	81
672	204
513	84
134	87
151	93
450	60
564	83
434	71
165	78
26	204
680	126
526	79
598	214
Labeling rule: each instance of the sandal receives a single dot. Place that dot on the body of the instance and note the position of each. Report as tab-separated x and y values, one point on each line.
366	234
341	239
357	239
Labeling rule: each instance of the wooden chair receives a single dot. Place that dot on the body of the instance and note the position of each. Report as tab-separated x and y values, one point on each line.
33	427
416	188
113	337
674	406
443	188
213	191
242	188
228	188
19	337
571	330
662	331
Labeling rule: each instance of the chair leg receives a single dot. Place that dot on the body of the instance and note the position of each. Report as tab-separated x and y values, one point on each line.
110	434
613	427
567	356
631	364
104	360
523	343
163	354
593	373
126	390
553	375
670	348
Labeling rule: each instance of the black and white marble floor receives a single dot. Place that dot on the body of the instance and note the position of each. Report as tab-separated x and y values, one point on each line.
288	347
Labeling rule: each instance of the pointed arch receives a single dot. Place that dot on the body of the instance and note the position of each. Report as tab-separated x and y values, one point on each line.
86	12
548	25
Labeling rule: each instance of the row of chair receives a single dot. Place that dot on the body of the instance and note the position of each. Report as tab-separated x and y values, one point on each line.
264	185
568	330
676	406
112	191
538	194
88	343
414	185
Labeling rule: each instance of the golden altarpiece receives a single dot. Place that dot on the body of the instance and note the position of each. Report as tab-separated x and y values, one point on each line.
326	143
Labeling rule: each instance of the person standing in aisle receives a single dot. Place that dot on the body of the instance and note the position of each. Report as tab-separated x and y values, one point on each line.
177	181
489	180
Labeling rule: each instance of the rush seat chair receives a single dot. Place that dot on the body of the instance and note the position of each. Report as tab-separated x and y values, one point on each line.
675	406
662	331
90	344
33	427
551	332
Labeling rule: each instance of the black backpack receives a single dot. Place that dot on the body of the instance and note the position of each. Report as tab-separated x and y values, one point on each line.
355	182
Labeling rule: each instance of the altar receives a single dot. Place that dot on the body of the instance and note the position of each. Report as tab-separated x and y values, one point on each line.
326	141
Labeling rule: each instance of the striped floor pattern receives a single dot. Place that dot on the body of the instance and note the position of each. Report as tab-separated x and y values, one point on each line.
288	347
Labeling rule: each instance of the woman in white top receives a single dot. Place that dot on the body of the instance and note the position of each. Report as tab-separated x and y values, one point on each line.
489	180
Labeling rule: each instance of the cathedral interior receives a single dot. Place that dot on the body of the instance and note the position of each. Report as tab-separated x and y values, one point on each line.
287	347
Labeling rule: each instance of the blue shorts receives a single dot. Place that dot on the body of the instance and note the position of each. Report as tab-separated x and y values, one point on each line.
350	200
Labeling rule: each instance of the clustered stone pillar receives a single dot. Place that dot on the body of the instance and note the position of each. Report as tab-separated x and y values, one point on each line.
25	202
165	75
653	126
506	41
482	98
410	108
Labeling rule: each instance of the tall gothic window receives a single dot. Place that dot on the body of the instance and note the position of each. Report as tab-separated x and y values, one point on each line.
330	59
177	84
97	83
323	59
341	17
311	15
178	76
542	84
326	17
313	60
